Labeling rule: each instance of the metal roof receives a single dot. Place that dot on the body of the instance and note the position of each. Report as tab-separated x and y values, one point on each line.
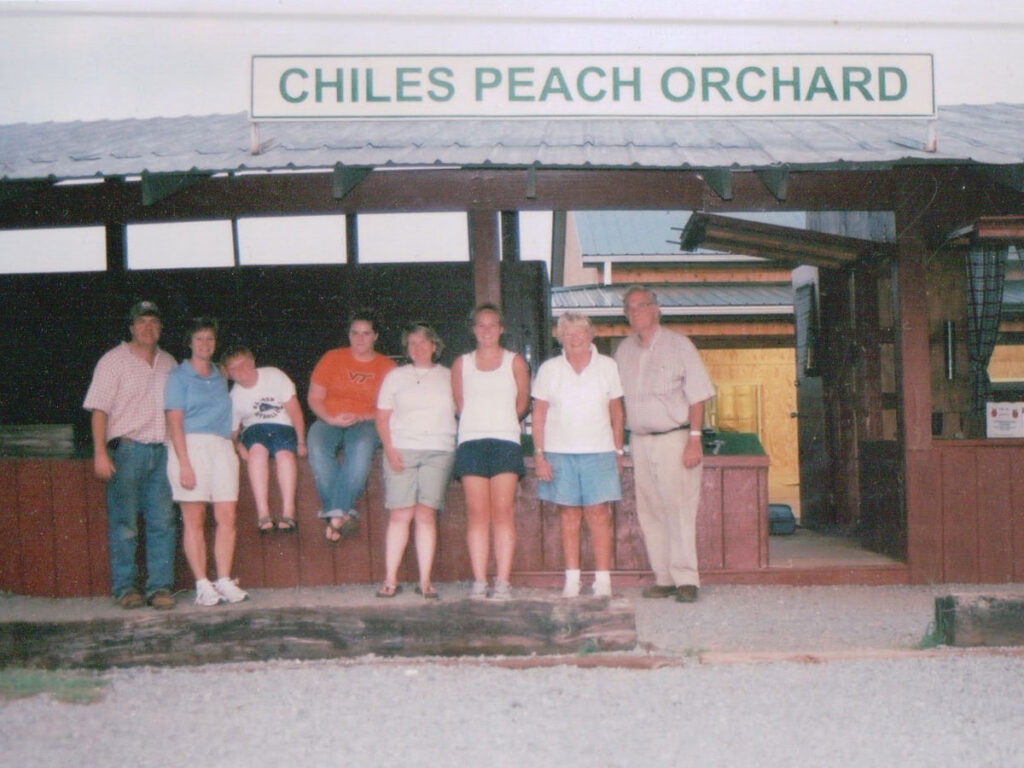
990	134
605	234
681	300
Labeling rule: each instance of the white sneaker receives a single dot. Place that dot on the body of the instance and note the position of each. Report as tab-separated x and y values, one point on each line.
206	594
502	590
478	591
602	589
228	589
571	589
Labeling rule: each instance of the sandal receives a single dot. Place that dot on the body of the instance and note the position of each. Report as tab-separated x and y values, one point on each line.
287	525
429	593
389	590
265	524
349	525
332	534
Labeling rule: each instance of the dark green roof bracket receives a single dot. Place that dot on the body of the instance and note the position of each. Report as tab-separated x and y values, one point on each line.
720	180
15	190
159	186
775	181
348	177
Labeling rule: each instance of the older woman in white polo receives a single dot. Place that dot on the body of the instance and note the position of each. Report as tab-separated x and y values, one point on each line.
577	435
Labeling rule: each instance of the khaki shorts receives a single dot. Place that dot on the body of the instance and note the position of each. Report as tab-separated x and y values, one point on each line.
215	463
423	481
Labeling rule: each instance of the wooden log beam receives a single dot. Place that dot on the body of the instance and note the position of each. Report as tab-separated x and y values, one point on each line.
973	620
247	632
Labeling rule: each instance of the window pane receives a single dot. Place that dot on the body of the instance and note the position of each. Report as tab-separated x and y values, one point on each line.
292	240
68	249
180	245
401	237
535	235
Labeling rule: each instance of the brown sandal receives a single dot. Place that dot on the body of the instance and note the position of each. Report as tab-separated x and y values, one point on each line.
389	590
265	524
287	525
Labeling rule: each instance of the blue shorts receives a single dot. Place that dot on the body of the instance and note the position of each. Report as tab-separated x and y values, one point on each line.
488	458
581	479
274	437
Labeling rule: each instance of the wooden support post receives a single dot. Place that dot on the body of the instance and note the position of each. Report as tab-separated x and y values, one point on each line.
485	254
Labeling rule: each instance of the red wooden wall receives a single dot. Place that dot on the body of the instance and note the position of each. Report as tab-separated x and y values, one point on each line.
965	502
53	511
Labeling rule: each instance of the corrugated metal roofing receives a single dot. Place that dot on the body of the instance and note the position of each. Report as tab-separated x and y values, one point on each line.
681	299
653	233
992	134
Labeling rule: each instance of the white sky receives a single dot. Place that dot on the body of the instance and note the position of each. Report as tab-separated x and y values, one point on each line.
89	60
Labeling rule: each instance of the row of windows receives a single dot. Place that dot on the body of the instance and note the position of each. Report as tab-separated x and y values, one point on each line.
383	238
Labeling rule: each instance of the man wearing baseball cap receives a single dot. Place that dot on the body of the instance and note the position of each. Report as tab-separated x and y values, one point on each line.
126	398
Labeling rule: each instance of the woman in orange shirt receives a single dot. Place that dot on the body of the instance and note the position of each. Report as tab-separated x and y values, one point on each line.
343	396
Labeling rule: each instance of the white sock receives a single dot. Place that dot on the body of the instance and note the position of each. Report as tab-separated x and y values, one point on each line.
572	583
603	577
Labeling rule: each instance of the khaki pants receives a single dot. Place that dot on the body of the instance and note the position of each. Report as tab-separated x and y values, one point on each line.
667	497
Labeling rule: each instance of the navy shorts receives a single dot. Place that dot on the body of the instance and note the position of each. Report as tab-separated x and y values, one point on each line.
274	437
488	458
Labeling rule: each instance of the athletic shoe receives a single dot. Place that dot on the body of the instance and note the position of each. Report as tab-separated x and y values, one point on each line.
602	589
571	589
502	590
206	595
228	589
478	591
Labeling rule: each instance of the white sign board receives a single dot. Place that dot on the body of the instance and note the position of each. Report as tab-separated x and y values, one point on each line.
1004	419
659	86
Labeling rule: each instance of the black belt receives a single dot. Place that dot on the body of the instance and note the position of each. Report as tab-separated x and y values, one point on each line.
114	442
670	431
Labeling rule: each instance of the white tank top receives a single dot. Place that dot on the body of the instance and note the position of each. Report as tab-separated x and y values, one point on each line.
488	401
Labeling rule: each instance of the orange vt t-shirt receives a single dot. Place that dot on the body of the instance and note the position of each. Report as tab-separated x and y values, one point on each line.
351	384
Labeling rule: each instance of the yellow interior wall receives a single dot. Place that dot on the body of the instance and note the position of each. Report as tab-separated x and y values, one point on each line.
1007	363
775	371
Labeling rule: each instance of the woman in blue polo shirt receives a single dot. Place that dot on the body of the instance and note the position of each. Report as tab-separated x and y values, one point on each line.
203	466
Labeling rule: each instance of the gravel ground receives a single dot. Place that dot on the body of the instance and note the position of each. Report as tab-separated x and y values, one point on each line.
947	708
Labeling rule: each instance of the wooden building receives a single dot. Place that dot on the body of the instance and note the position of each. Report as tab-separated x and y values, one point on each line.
894	219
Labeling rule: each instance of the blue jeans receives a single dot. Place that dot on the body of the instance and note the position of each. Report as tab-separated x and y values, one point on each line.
341	483
140	485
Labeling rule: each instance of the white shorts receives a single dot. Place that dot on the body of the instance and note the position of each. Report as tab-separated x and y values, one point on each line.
215	464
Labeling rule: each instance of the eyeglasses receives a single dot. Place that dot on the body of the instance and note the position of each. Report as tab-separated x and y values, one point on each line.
639	305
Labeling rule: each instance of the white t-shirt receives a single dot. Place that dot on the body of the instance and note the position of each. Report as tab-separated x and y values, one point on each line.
422	408
262	403
578	419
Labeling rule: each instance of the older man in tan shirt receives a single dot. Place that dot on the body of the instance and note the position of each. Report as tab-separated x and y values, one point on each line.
665	386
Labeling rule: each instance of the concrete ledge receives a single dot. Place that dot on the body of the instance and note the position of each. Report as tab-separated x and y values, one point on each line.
980	620
242	633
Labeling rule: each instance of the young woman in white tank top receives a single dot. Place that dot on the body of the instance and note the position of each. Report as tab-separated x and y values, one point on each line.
491	387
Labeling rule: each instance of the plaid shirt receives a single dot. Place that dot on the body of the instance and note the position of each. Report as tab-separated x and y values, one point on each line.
131	393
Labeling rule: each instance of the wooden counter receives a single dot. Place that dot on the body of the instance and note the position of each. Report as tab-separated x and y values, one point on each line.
53	515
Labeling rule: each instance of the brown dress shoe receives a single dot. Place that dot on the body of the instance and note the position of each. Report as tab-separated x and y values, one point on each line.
658	590
130	599
687	593
161	600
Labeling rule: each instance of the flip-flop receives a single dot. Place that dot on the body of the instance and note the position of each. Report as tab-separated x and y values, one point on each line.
265	525
429	593
287	525
389	590
349	526
332	534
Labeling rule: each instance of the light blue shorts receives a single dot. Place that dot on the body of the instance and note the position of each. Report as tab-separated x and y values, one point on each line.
424	480
581	479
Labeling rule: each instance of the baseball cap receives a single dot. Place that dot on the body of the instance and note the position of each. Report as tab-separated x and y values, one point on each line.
143	308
